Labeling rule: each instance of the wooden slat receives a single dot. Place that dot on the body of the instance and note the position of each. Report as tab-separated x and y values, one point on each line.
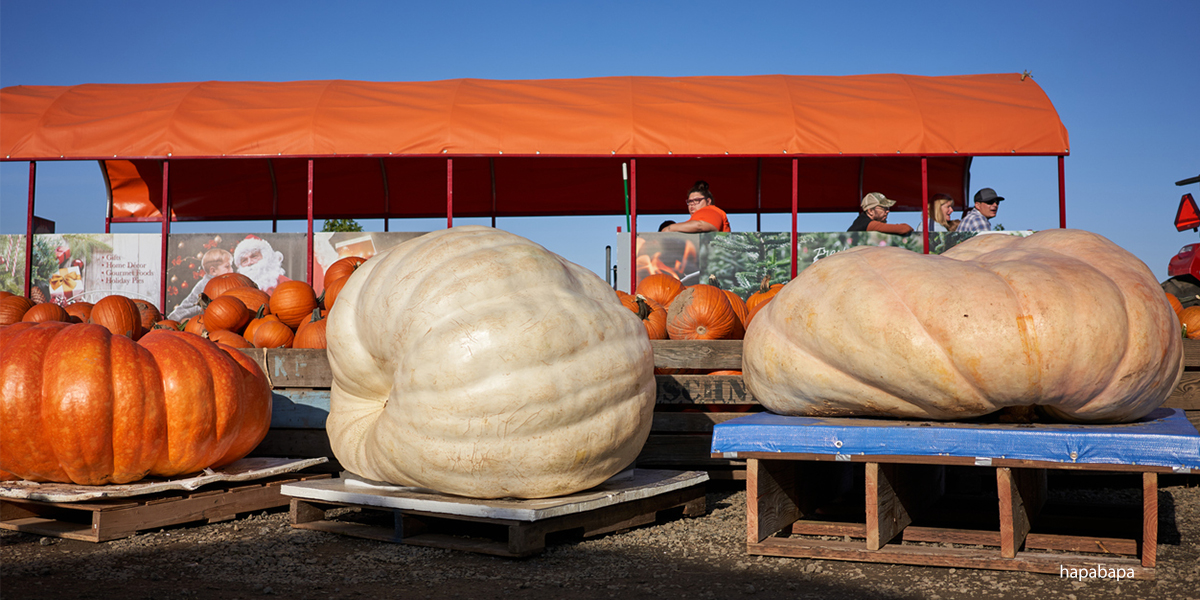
1149	519
948	461
771	501
972	537
1022	493
1187	393
698	354
887	511
1191	353
304	368
703	389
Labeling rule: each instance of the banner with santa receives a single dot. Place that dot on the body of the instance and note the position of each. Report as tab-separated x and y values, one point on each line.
268	259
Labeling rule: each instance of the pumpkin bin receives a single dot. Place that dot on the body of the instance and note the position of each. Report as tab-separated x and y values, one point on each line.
520	376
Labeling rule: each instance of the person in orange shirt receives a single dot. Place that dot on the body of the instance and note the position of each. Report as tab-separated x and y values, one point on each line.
705	216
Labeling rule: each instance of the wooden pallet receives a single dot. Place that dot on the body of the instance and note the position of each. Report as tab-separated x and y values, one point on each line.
788	514
111	519
506	527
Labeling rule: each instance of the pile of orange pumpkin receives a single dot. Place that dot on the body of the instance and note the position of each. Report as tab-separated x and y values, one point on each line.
236	313
673	311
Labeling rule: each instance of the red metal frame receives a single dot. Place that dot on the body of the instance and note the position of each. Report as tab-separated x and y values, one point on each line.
308	269
633	226
795	209
29	230
535	155
925	203
166	234
449	193
1062	193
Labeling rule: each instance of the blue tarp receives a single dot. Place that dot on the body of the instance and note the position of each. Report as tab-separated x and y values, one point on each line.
1163	438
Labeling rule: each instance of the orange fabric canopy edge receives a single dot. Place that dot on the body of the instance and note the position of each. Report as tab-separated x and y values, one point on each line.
536	147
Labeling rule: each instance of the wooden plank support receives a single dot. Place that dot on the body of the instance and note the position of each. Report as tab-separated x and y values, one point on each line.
772	504
887	514
1022	492
1149	519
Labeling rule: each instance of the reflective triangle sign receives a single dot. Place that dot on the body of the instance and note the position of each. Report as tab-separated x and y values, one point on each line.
1188	216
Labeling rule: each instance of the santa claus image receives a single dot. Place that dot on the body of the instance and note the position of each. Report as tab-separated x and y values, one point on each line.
256	259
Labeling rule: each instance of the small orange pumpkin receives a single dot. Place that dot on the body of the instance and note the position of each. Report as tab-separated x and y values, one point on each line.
80	310
13	308
660	287
222	283
195	325
332	289
702	312
46	311
272	333
120	315
1190	318
735	301
1174	302
258	319
292	302
229	338
765	292
652	314
343	268
312	333
252	298
149	314
169	325
226	312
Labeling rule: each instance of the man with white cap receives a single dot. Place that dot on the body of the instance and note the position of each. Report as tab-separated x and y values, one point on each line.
875	209
979	217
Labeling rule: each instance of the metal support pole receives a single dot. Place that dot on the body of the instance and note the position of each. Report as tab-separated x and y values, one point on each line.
925	203
29	231
633	226
795	209
492	168
1062	194
308	260
274	197
387	195
166	234
449	193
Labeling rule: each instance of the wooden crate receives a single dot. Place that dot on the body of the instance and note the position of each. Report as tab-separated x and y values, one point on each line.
793	510
503	527
111	519
688	405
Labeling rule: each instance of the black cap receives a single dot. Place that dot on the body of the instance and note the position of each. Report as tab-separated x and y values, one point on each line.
987	195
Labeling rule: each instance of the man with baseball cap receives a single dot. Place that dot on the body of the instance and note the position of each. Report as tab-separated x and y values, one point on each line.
875	209
979	217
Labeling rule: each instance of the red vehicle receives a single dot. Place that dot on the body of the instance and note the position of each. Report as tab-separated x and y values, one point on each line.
1184	268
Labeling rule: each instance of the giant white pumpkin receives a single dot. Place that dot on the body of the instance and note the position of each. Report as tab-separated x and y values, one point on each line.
472	361
1062	319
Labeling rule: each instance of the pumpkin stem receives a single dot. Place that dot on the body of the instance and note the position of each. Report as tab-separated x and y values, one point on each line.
766	284
712	280
317	313
644	309
321	298
204	300
258	314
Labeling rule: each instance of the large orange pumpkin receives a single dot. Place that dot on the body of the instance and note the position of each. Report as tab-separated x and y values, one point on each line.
226	312
735	302
81	405
343	268
119	315
46	311
994	322
292	302
220	284
702	312
13	308
660	287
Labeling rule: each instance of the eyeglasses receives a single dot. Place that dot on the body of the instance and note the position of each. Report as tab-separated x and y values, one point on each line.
989	202
696	200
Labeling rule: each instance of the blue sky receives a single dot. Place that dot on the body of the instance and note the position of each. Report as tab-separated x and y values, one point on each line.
1125	79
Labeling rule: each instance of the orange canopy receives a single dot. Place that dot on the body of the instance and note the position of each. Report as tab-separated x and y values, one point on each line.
238	150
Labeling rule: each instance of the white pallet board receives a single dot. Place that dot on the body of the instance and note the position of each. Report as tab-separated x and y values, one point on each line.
627	486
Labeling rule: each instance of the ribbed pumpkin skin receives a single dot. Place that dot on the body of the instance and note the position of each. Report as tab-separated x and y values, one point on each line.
332	289
216	408
13	308
46	311
656	316
1174	302
702	312
62	384
80	310
660	287
120	315
84	406
292	302
992	323
764	294
475	362
149	313
229	338
272	333
311	335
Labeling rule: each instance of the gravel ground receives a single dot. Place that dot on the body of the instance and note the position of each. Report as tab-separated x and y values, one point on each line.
704	557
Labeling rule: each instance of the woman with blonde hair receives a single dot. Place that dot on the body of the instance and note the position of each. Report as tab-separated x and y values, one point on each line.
941	207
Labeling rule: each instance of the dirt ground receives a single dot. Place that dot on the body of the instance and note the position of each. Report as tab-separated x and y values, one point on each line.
261	556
